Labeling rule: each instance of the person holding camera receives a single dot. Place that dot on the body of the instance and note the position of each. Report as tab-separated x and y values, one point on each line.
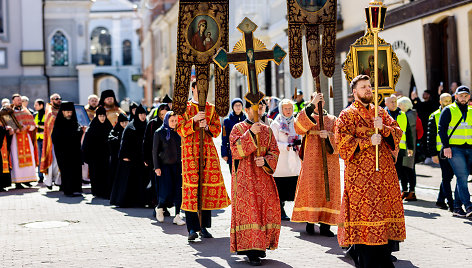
455	131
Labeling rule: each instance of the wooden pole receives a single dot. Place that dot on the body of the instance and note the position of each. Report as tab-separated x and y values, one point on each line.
255	110
376	92
323	141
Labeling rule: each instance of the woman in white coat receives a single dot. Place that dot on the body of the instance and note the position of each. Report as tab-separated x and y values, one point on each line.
289	163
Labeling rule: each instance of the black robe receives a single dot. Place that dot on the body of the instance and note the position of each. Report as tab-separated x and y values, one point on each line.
66	138
96	155
5	178
114	141
167	157
132	177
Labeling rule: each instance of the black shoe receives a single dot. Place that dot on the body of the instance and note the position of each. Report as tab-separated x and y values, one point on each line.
19	186
468	213
192	235
41	180
310	228
255	261
166	212
441	205
325	230
49	187
205	234
451	207
28	184
459	212
393	258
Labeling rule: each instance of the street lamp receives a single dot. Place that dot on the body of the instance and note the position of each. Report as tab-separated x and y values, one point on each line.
375	15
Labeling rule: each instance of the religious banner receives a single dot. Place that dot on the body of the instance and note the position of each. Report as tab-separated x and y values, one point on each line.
306	17
202	30
313	18
360	60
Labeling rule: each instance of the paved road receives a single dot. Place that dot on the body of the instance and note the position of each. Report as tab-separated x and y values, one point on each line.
97	234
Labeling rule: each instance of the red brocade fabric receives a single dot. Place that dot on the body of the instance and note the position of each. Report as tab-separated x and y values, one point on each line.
255	214
214	195
372	209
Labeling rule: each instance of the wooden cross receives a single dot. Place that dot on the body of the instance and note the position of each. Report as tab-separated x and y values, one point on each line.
250	58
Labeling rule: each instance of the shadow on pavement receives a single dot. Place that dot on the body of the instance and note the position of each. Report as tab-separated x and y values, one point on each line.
219	247
328	242
404	264
412	213
13	191
421	203
61	198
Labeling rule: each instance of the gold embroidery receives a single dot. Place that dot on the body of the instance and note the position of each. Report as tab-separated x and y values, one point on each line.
255	226
333	211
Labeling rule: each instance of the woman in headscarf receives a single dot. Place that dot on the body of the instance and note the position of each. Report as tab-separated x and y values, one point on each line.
114	141
129	187
66	137
289	163
168	167
96	153
132	110
151	128
235	117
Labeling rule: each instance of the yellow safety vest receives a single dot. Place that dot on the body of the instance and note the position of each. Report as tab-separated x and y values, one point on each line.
403	122
463	132
40	125
436	115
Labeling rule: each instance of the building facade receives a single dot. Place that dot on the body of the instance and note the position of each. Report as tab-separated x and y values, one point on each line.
74	48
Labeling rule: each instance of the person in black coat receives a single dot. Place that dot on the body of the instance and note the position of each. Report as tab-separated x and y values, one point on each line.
114	141
5	140
235	117
167	164
66	138
132	178
151	128
96	153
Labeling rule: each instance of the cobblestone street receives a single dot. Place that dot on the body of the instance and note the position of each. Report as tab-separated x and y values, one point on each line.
86	232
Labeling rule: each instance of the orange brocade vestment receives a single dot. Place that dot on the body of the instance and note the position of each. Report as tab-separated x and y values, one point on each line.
46	156
255	214
23	138
372	209
310	199
214	195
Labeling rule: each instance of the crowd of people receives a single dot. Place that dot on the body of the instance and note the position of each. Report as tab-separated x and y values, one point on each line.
286	151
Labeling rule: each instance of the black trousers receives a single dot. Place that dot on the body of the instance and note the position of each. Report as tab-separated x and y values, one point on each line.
193	224
445	191
372	256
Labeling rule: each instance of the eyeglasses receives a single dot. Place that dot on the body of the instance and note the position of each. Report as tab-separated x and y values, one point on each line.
57	99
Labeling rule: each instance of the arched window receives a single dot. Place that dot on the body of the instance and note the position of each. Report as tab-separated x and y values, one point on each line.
127	53
59	50
100	46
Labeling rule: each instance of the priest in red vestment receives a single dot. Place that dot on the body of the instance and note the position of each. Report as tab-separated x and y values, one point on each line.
23	149
255	214
372	218
48	165
214	195
311	205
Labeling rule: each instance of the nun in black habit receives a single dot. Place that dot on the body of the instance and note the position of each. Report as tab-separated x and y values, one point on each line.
114	141
5	141
96	154
132	177
66	138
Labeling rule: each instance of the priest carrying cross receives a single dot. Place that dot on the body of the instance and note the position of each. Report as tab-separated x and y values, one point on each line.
255	214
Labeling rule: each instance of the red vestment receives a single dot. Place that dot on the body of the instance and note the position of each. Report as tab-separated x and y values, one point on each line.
25	155
372	209
255	213
214	195
46	155
310	199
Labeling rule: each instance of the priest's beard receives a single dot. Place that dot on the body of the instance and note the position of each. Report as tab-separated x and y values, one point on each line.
366	99
109	106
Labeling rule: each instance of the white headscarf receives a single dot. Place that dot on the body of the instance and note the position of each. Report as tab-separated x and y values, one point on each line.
287	124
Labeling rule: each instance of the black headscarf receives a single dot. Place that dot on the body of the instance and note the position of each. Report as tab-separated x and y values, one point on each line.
105	94
136	123
167	99
62	126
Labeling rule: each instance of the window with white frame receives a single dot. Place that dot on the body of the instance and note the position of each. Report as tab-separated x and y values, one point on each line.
3	20
59	49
